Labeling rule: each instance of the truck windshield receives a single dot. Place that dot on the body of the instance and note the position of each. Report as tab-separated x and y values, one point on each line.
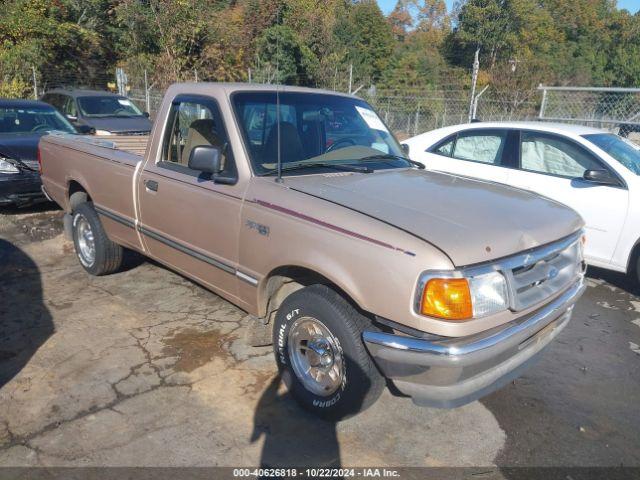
624	151
20	121
108	106
314	129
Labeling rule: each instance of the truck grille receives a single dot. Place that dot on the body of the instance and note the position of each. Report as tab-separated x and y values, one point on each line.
544	272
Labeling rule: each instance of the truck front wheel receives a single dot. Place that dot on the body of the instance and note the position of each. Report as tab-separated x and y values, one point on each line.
320	354
97	254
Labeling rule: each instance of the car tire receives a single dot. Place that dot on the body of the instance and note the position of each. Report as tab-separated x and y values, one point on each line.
318	329
97	254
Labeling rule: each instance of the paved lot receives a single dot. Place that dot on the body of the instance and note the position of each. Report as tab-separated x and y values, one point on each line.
146	368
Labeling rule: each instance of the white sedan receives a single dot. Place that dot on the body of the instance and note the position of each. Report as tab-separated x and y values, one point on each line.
594	172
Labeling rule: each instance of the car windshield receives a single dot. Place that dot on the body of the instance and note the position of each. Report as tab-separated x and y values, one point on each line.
314	130
624	151
20	121
108	106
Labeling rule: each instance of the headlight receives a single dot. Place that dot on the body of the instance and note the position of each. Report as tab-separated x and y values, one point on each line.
488	294
452	298
6	167
103	132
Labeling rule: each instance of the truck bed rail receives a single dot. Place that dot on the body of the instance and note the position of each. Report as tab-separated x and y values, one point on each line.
134	144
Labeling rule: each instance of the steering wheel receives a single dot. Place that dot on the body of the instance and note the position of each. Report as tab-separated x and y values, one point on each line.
39	127
334	145
120	110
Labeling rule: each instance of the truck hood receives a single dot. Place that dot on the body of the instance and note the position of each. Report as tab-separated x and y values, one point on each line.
470	220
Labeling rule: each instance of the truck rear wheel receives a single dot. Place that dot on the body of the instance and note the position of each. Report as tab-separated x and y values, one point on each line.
96	253
321	356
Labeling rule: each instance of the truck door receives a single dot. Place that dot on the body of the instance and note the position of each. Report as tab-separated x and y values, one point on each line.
187	221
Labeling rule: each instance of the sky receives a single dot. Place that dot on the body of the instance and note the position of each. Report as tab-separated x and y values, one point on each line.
631	5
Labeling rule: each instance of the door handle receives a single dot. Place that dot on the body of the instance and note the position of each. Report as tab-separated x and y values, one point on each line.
151	185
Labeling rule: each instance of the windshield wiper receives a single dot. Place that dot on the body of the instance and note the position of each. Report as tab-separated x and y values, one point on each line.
16	162
391	156
338	166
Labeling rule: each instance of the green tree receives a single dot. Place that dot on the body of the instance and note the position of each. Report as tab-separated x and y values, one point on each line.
283	58
367	39
48	36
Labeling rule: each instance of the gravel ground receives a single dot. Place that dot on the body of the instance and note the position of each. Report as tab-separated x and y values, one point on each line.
145	368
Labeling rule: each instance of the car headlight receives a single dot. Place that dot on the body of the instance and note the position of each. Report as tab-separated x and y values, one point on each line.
6	167
461	298
103	132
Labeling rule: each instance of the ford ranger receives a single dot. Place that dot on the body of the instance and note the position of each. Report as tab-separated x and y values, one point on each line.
298	206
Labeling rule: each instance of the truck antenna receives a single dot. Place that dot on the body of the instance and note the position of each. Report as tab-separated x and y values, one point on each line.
279	164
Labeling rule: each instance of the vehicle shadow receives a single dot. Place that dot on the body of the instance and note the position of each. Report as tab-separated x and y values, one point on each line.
294	437
25	322
617	279
39	207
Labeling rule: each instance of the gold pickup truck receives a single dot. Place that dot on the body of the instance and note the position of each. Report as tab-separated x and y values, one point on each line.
298	206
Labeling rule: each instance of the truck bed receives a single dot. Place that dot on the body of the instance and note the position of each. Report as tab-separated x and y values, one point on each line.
135	144
103	166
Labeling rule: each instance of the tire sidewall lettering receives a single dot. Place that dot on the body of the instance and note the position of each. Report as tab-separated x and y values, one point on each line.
282	335
283	358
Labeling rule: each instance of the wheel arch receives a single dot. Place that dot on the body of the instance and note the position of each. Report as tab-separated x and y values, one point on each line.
634	253
76	194
282	281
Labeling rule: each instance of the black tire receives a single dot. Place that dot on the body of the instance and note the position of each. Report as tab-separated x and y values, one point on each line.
108	255
361	382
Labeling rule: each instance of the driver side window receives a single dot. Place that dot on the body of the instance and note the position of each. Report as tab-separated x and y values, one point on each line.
192	124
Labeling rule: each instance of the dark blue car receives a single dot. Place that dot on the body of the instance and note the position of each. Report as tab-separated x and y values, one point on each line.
22	124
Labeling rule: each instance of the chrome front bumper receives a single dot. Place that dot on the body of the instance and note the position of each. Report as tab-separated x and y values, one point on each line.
451	372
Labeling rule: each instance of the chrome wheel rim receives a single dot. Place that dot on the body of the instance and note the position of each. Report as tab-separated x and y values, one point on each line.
86	242
316	356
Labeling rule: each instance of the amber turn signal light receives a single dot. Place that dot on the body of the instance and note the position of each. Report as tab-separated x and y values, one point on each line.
447	298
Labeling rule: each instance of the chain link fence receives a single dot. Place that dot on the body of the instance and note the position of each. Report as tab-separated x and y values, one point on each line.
408	112
616	109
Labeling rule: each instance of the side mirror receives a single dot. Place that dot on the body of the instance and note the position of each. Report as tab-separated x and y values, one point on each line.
146	114
206	158
601	177
85	130
405	149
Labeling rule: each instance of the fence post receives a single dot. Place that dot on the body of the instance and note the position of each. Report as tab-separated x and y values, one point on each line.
350	76
474	80
475	103
35	83
121	81
147	98
415	126
544	101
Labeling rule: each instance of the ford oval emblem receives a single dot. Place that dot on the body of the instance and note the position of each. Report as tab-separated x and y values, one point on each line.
552	273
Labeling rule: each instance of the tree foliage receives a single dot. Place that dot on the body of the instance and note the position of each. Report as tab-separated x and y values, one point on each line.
314	42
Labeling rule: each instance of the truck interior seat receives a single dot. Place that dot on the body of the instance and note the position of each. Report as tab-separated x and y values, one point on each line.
291	149
201	132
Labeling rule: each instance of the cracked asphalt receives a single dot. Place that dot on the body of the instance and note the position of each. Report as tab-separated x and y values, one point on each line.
146	368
